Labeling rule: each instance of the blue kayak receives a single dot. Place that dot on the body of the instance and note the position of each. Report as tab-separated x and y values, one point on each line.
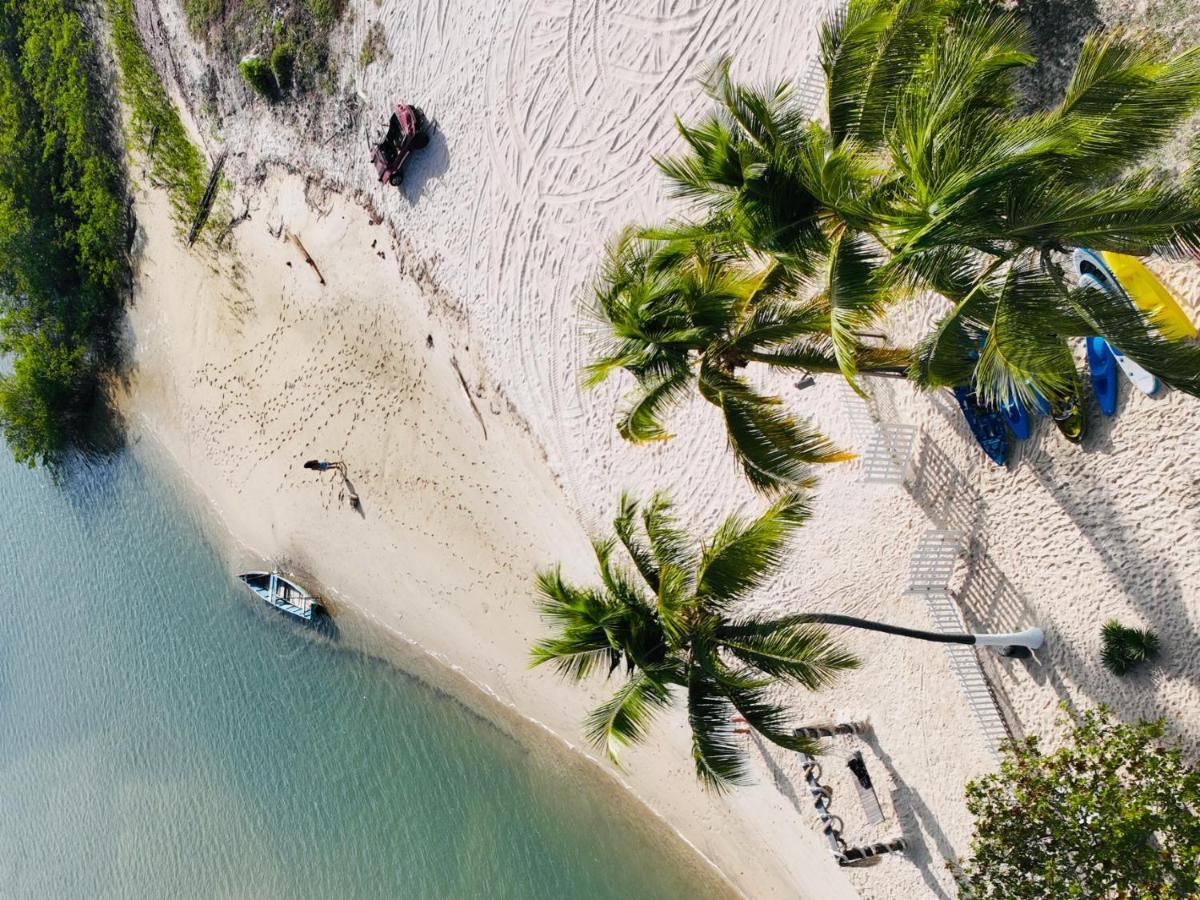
1103	367
1016	417
986	425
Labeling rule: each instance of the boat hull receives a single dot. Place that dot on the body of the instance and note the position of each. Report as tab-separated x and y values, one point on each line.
277	591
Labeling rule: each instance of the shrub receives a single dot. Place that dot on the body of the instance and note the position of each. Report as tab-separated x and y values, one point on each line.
62	226
1111	814
258	75
155	128
283	62
1126	648
374	45
326	12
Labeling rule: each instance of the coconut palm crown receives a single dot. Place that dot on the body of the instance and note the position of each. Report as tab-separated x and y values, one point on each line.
670	621
921	178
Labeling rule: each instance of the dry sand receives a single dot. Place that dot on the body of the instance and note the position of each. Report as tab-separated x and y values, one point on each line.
548	114
244	372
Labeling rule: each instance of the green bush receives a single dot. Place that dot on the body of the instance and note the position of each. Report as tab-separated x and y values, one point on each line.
1126	648
326	12
1111	814
282	63
154	124
374	45
63	263
258	75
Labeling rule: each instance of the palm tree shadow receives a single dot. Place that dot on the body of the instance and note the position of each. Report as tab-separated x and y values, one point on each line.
1139	569
797	795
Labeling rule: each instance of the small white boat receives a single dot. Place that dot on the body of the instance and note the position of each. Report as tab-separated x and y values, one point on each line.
281	593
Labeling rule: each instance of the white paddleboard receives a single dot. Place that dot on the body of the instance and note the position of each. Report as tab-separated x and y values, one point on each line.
1139	377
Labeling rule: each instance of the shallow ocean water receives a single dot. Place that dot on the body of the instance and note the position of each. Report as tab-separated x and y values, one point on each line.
163	734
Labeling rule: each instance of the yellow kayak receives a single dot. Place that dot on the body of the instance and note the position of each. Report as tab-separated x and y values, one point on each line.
1149	294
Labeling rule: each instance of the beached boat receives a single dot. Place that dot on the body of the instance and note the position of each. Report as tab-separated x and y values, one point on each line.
281	593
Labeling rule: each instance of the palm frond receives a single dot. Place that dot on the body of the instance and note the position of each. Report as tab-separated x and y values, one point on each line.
854	299
742	554
712	170
642	420
873	74
1137	214
1124	99
849	44
624	525
669	543
716	751
1176	363
788	648
623	720
1026	350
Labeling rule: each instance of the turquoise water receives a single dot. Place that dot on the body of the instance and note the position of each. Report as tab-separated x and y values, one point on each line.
161	734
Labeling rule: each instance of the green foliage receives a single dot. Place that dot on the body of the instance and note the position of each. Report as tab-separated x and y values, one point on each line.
374	45
325	12
62	226
201	14
1111	814
1126	648
670	617
155	128
258	74
282	63
802	237
40	400
299	32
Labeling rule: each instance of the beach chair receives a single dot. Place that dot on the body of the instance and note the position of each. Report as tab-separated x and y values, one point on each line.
866	790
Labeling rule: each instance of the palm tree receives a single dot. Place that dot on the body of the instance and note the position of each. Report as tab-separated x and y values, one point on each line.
923	179
674	622
680	319
673	616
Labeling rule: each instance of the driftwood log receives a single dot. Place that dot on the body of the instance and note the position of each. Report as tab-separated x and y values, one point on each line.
308	259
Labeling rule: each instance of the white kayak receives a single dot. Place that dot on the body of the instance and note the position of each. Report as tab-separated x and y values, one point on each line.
1094	271
1139	377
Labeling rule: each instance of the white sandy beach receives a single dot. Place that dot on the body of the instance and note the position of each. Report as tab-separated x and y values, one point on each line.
547	116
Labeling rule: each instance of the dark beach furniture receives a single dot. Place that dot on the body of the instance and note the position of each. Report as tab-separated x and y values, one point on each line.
866	791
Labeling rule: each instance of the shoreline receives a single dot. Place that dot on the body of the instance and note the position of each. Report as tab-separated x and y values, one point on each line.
208	391
410	660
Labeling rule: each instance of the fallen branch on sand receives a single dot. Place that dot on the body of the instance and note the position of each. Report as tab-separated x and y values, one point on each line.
470	396
308	259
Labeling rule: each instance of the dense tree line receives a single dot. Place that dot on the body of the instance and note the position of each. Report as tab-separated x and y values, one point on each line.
63	262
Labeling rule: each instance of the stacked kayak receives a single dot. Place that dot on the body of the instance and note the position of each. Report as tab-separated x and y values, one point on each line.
1094	271
986	425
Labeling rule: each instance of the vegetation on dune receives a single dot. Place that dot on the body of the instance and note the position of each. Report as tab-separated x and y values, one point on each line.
289	40
1127	648
155	127
257	73
923	179
670	616
374	45
62	227
1111	814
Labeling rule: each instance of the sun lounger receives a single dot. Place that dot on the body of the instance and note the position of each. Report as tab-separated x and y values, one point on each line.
866	790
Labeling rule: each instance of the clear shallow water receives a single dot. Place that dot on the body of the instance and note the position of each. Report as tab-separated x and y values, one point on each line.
163	735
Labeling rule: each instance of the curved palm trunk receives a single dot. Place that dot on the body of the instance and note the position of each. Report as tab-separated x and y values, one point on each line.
1029	639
